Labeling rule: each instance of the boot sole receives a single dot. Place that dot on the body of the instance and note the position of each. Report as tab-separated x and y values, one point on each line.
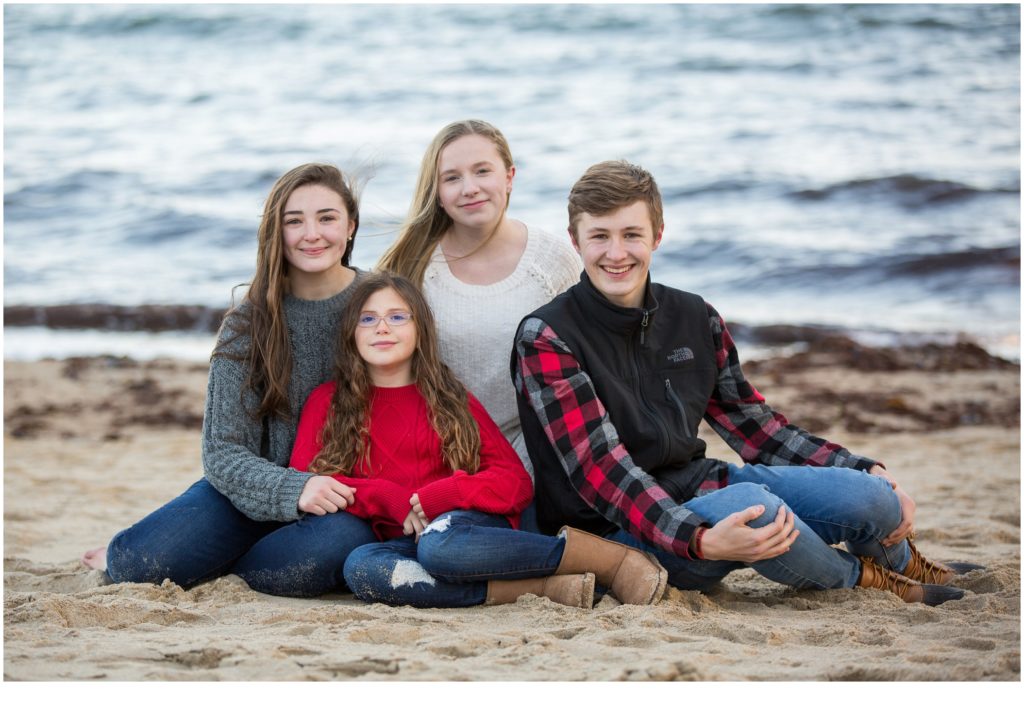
935	594
589	581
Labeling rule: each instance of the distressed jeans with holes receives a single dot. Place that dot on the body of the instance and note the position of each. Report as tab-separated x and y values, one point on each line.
450	566
831	505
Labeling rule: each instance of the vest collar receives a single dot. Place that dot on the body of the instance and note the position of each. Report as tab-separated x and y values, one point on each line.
612	316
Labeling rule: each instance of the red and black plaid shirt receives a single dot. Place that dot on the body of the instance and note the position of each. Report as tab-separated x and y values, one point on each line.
588	446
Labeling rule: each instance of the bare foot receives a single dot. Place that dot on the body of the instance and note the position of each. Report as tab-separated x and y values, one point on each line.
95	559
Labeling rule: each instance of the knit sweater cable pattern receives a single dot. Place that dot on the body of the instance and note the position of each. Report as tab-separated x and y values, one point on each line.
477	323
405	458
244	458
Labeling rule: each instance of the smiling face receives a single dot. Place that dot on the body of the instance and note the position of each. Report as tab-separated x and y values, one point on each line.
616	249
387	347
316	228
473	182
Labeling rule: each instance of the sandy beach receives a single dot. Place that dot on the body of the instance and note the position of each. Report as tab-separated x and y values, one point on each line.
92	445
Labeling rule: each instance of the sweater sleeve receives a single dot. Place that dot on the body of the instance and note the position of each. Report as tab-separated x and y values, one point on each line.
378	499
501	486
232	438
587	443
742	417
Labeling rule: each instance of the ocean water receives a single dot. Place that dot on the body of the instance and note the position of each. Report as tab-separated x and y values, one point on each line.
854	166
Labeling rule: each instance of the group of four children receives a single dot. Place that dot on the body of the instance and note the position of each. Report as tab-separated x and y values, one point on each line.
572	463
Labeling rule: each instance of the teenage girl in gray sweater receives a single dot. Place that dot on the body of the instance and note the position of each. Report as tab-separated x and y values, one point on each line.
283	531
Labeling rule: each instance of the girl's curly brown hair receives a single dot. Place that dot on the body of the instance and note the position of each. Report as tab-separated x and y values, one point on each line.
345	436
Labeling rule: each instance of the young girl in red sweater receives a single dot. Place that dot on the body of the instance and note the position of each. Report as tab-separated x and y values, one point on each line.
427	468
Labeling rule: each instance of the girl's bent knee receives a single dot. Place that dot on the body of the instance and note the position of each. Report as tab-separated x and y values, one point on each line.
385	580
438	548
126	563
353	570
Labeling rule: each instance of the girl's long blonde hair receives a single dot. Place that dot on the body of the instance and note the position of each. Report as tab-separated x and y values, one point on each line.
427	221
346	433
262	319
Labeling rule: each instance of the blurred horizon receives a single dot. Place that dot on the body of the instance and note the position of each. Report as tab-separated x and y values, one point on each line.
851	166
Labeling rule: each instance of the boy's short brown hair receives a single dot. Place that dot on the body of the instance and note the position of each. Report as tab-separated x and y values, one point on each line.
611	185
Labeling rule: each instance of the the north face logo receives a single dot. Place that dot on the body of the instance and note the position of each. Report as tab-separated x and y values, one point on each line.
681	354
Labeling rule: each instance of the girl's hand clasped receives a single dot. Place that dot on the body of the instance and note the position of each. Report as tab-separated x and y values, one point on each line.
417	519
325	495
414	502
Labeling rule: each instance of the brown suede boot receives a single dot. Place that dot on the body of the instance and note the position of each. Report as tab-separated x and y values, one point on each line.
570	589
927	571
633	576
874	576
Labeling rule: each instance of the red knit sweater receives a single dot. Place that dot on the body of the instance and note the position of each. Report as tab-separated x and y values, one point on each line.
405	459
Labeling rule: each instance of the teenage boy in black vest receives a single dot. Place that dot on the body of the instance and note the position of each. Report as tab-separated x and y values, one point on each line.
613	377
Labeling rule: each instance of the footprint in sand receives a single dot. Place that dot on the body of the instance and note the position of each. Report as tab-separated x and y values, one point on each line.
975	643
462	650
392	635
360	667
70	612
205	658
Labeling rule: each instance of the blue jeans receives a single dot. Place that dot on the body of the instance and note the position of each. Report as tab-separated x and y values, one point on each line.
458	553
830	504
201	535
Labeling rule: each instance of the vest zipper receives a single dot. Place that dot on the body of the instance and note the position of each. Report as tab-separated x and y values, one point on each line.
643	326
663	429
674	398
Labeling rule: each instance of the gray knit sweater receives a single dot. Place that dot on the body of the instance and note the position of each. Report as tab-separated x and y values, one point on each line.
246	459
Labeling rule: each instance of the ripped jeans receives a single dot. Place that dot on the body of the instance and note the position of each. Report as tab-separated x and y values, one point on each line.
450	566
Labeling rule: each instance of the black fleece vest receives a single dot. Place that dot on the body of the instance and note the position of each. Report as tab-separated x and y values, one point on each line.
653	369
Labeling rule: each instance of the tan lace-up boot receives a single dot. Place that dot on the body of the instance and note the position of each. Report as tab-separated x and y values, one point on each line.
874	576
633	576
570	589
927	571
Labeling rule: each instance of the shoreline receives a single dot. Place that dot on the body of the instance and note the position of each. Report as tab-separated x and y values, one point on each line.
188	331
93	444
804	375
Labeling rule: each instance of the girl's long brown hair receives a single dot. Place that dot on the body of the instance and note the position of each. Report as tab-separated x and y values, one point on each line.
426	222
345	435
262	319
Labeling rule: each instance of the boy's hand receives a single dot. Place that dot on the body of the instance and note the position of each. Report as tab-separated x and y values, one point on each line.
908	508
732	539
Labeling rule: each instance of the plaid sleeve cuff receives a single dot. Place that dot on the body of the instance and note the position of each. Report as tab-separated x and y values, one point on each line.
742	417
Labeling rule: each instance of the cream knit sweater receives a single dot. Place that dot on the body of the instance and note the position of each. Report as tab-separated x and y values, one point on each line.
477	323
